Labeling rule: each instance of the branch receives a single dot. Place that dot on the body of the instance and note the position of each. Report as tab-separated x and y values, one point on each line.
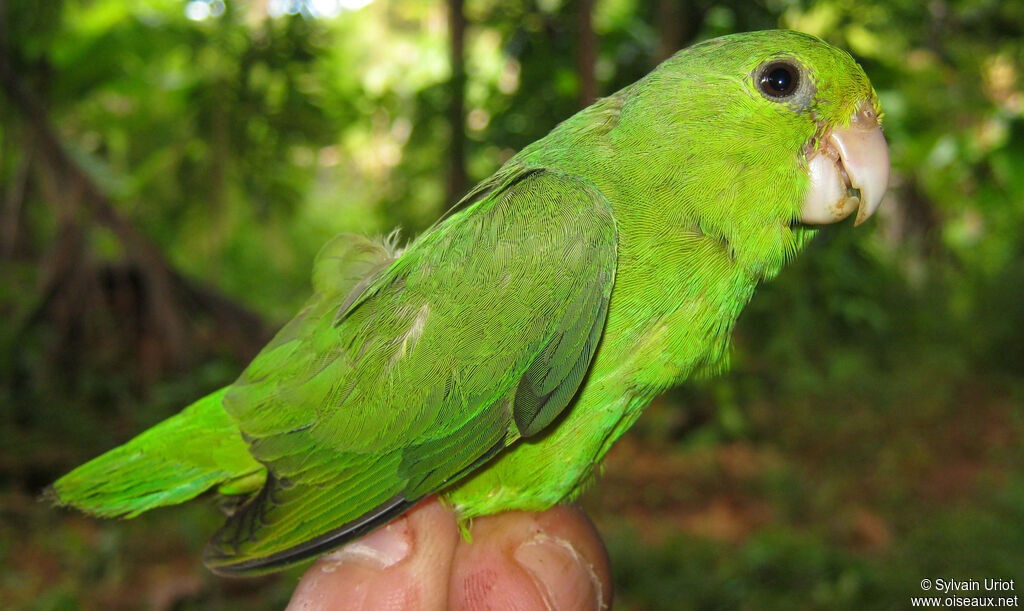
164	283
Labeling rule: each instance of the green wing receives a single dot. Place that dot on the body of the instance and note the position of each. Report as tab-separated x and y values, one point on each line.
476	336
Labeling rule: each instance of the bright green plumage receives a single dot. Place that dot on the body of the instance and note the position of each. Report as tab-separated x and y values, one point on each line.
599	266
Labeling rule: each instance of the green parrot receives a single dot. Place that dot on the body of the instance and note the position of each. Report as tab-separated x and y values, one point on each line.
496	358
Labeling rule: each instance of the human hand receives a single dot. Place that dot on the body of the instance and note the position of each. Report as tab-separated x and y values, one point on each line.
420	561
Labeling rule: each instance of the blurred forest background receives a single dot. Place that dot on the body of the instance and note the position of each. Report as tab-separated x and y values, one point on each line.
169	168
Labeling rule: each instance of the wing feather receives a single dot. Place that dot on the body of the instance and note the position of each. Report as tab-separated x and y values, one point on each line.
479	334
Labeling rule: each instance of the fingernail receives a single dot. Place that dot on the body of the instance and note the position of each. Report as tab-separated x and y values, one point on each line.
384	547
562	575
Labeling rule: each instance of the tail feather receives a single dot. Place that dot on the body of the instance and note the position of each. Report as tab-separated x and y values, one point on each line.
172	462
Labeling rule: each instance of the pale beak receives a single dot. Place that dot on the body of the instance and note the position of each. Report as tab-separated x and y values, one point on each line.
849	171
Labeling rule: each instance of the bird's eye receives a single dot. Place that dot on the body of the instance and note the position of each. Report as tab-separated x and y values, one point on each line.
778	79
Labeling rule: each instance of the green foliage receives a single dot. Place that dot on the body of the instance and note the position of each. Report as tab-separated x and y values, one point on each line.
791	566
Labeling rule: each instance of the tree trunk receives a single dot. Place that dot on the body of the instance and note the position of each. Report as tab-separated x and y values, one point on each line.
678	24
671	28
457	181
587	55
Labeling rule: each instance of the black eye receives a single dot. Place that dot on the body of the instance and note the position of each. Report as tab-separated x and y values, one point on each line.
779	80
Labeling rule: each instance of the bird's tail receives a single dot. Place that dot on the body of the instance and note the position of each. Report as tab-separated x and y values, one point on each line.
172	462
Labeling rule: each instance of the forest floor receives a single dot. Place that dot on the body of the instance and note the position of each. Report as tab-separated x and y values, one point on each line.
769	521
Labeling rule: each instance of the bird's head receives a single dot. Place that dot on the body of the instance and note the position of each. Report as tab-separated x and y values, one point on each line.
764	134
846	159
